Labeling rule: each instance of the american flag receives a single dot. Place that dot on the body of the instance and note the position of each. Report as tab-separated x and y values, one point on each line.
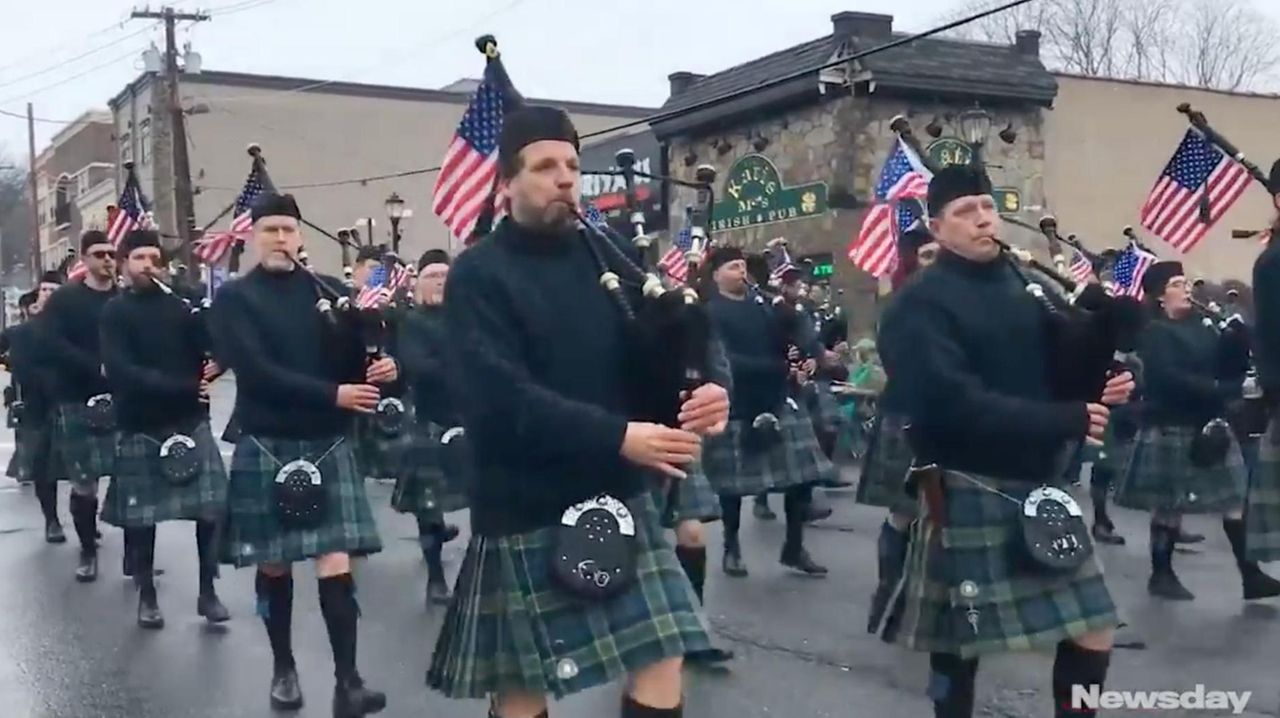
130	213
1081	269
377	291
1130	267
675	262
1196	188
875	249
470	166
212	249
595	217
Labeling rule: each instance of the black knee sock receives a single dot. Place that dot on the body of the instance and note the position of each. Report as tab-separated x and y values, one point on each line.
206	535
731	516
795	503
891	552
275	605
1161	548
84	514
426	532
951	685
1076	666
142	542
1234	529
693	559
47	494
1099	485
338	605
634	709
434	554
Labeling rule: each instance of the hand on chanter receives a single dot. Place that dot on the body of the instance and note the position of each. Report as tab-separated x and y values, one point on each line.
382	371
660	447
211	370
358	397
1099	415
705	411
1118	389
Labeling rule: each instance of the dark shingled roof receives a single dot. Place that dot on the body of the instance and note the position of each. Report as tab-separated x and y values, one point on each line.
934	67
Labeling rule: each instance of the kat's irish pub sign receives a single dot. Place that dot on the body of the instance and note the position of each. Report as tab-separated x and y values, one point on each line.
753	194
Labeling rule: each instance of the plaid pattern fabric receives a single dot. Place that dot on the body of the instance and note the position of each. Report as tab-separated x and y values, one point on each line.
1115	454
87	456
1160	475
885	467
39	460
251	533
140	496
1262	506
824	408
796	459
510	628
422	486
695	499
1018	607
377	455
14	469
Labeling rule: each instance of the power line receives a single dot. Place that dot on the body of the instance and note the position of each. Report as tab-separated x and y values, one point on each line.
68	61
22	116
719	99
32	93
62	44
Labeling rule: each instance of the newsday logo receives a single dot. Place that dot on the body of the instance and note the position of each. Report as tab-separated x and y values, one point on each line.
1094	698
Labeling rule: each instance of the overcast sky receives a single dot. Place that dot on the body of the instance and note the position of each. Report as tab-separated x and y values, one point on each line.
68	56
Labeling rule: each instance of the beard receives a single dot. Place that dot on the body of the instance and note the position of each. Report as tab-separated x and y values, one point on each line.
555	216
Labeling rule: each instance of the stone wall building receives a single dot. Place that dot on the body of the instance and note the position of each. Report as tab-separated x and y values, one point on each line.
801	158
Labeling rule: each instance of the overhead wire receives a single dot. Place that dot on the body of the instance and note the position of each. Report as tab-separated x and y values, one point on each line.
718	99
118	25
81	56
32	93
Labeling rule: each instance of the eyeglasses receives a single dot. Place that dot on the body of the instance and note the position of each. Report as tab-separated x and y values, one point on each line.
103	254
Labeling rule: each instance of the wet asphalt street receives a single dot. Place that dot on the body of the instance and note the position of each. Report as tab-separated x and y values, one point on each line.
74	651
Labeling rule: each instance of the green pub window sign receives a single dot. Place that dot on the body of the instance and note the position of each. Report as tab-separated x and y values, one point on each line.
953	151
754	194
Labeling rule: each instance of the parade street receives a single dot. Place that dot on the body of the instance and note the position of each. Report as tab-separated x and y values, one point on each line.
74	651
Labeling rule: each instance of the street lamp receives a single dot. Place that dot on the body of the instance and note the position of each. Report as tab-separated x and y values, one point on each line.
976	126
395	212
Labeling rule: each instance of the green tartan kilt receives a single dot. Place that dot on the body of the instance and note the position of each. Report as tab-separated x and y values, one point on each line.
423	487
40	462
1161	477
825	409
380	456
87	456
251	533
1262	506
1018	606
885	467
1115	454
140	496
14	469
695	500
511	628
797	459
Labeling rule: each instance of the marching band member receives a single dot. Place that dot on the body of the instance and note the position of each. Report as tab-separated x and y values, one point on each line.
536	352
168	466
1187	459
1262	515
295	492
968	346
379	453
427	485
748	460
888	458
86	431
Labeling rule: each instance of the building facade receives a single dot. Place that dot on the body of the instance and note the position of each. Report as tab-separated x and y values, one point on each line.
801	158
314	135
75	183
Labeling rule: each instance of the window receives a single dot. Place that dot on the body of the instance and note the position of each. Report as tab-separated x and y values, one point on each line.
62	202
126	148
144	141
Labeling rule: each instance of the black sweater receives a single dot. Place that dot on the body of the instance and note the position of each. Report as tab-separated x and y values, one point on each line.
756	350
1266	303
69	325
287	358
967	348
535	355
421	343
1179	359
31	374
152	348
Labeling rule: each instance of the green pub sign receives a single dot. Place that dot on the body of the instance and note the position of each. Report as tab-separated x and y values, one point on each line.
953	151
754	194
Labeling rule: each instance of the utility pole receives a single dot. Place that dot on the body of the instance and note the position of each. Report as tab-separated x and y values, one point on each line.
35	198
183	197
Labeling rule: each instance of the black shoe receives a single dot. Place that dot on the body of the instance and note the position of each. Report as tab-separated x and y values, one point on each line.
286	694
1167	585
1258	584
1186	537
353	700
53	532
437	593
149	615
451	532
762	511
818	513
87	571
803	562
733	564
709	657
1103	533
837	484
210	608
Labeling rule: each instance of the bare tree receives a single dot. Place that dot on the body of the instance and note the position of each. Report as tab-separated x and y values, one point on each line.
15	214
1227	45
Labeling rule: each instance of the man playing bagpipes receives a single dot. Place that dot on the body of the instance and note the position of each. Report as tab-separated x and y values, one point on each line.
168	465
295	492
434	476
1001	561
86	424
1187	459
32	413
1262	515
769	445
567	541
381	441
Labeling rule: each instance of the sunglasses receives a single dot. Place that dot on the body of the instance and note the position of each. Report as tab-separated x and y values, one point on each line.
103	254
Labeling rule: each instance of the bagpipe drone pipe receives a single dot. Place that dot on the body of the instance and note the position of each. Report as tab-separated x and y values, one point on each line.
199	316
346	324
